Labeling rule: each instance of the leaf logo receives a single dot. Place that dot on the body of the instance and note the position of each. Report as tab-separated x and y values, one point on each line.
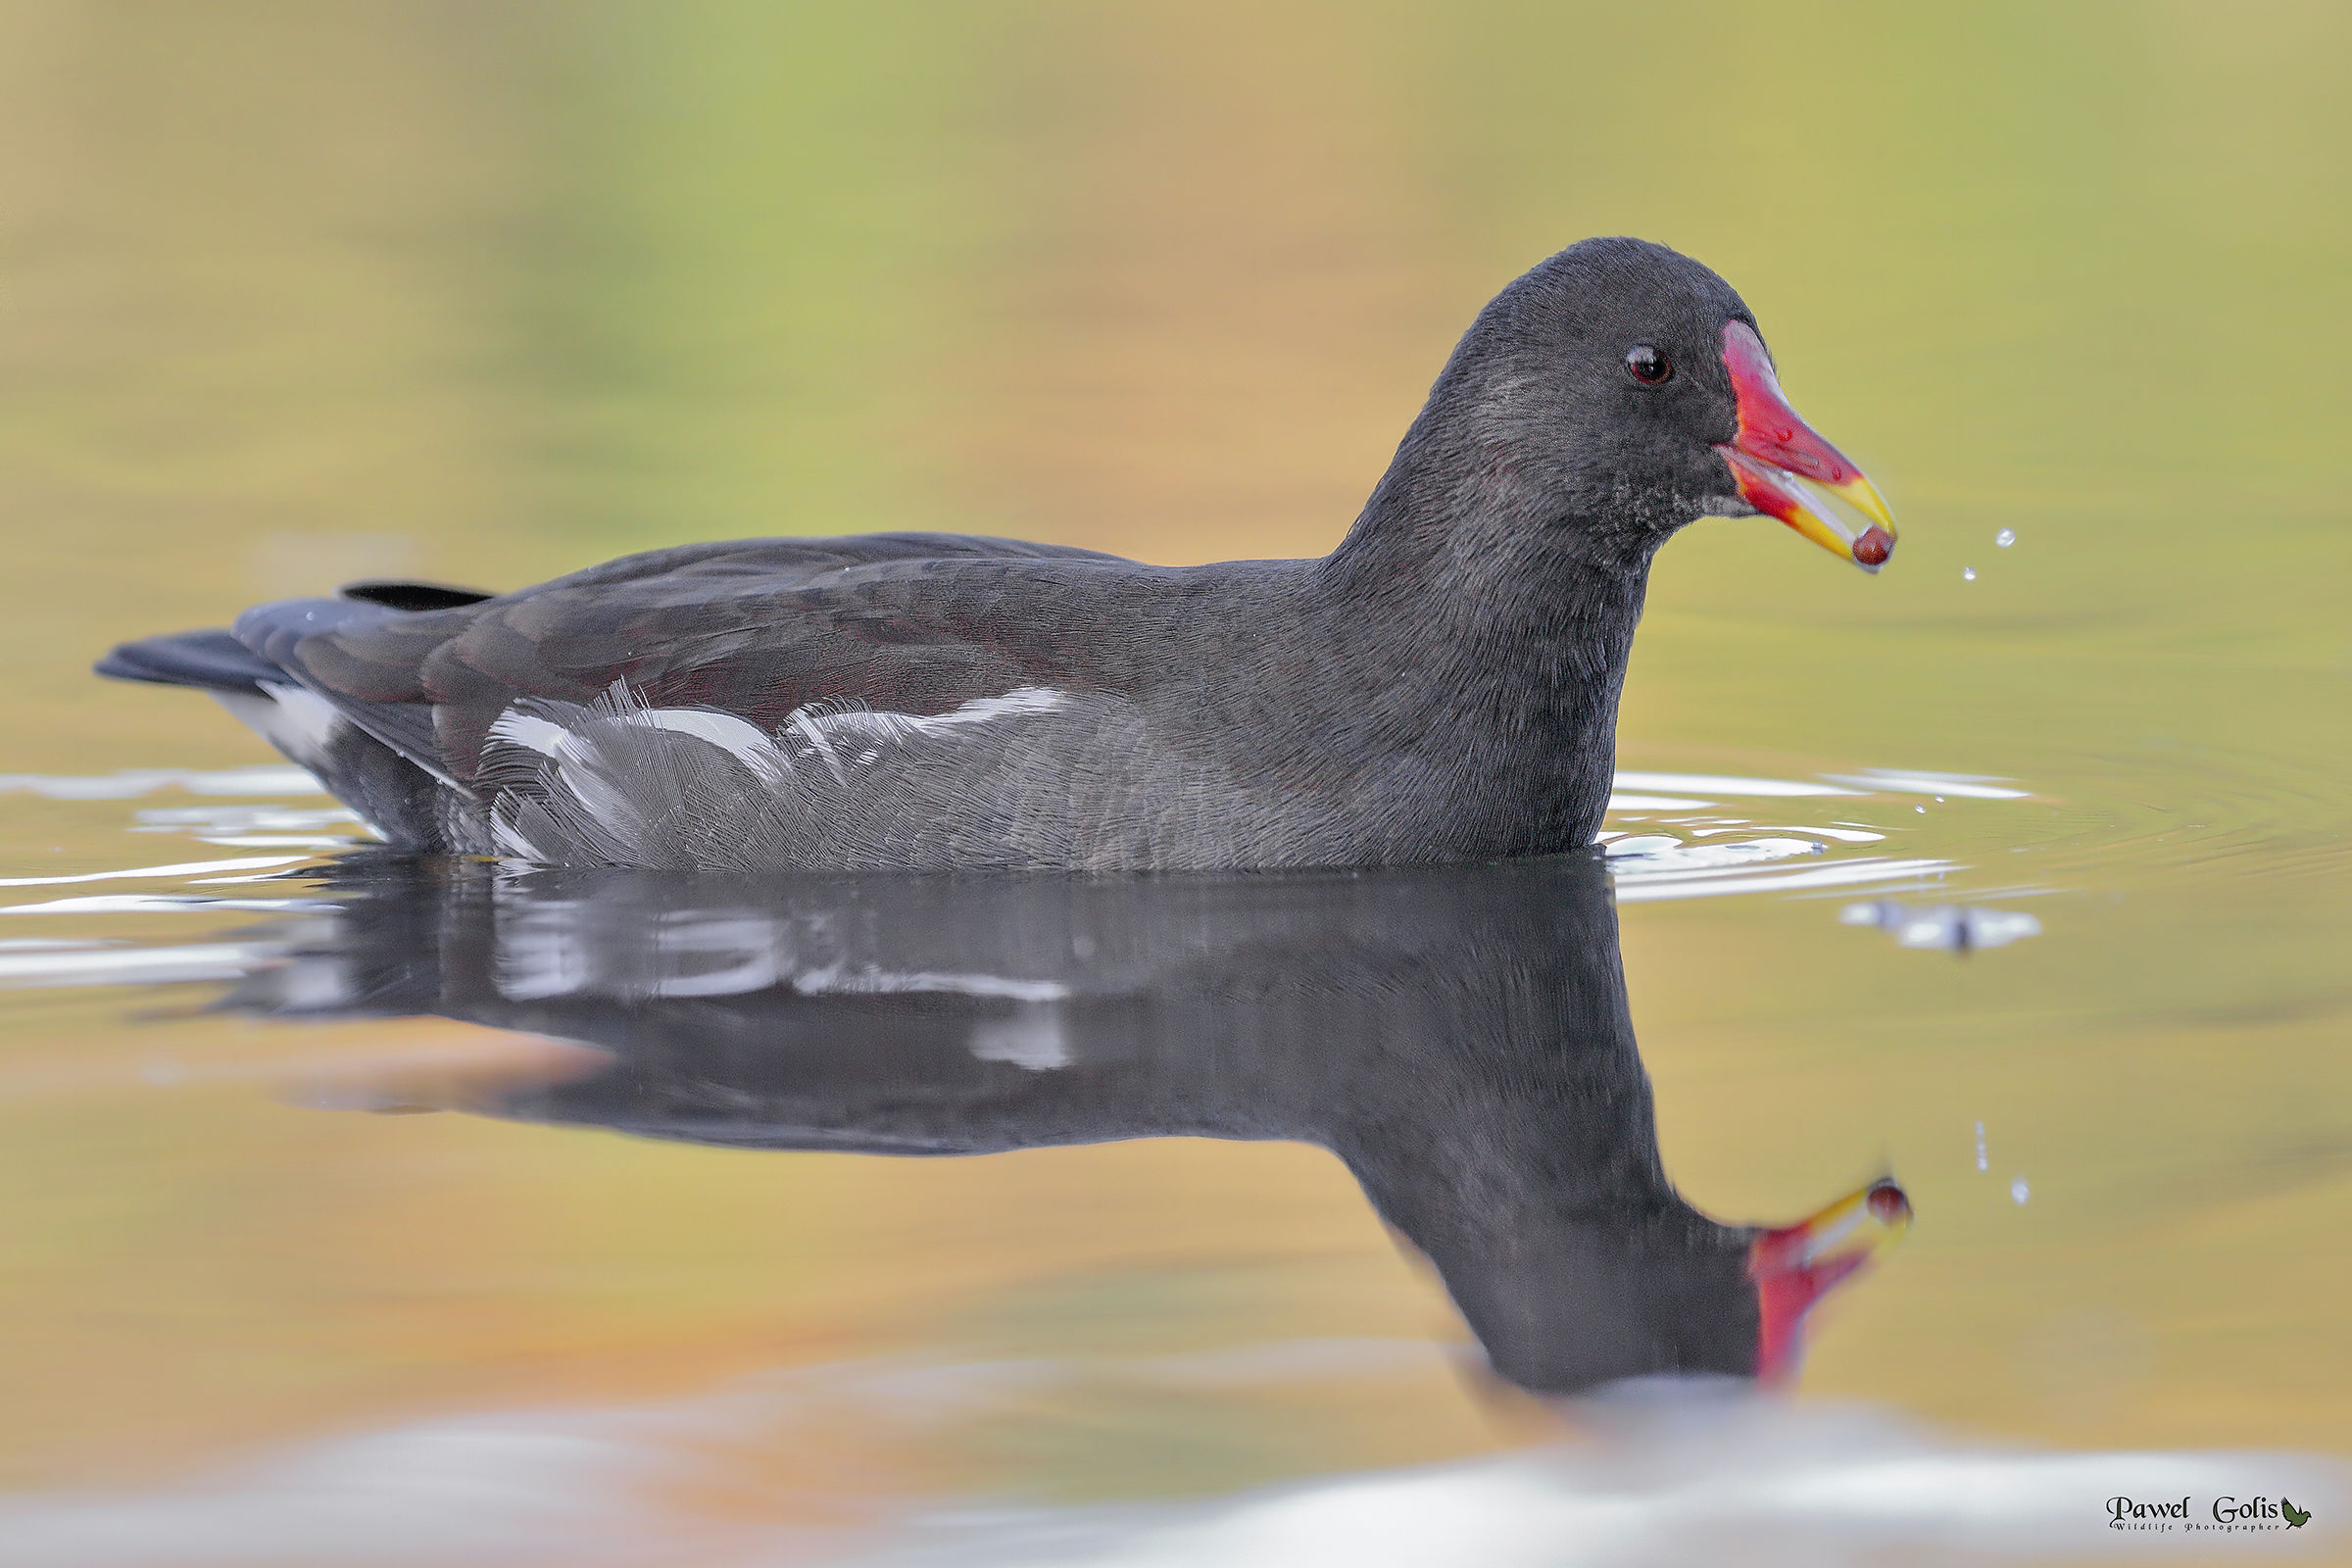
2296	1518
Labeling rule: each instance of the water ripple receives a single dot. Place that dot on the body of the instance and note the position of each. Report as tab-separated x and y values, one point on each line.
1668	835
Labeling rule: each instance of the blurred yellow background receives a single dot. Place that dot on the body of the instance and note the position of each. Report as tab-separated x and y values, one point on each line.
297	292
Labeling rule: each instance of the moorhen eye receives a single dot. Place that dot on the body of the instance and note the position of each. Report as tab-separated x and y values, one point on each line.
1648	366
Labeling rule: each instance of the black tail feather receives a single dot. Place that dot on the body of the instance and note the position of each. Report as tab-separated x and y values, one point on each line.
381	758
212	659
413	595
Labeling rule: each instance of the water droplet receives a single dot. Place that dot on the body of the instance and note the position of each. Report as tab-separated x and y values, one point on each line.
2005	538
1968	574
2019	1192
1920	810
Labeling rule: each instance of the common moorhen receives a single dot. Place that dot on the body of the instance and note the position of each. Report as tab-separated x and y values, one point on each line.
1442	686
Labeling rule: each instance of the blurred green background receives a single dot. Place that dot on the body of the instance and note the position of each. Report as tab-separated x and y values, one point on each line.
489	291
291	293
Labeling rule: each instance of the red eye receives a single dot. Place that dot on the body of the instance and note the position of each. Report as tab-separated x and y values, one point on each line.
1647	365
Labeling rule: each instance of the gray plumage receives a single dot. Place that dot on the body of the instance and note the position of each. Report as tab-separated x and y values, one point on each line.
1442	687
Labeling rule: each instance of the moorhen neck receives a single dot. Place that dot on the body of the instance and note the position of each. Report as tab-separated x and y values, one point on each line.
1442	687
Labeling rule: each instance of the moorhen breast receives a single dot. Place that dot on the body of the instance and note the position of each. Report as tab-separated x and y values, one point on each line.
1440	687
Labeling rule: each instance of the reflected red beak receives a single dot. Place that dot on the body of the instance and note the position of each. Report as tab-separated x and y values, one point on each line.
1799	1264
1775	450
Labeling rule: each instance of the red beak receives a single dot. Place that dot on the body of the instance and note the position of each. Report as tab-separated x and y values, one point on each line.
1799	1264
1776	449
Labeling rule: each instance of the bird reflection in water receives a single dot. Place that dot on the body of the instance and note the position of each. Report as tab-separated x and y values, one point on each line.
1457	1036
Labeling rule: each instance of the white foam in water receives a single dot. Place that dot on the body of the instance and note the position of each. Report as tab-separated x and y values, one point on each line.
1849	1488
1671	1473
587	1487
97	964
1641	843
260	827
1843	835
1665	865
243	819
131	782
160	902
1704	884
1658	852
1718	784
183	868
1906	781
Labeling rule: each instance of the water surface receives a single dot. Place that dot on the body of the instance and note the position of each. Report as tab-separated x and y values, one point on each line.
2028	886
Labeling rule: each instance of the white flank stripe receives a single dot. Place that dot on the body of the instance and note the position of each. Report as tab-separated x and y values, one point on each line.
1020	700
739	738
809	728
541	735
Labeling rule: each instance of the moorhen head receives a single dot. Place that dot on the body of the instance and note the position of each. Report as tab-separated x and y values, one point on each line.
1619	391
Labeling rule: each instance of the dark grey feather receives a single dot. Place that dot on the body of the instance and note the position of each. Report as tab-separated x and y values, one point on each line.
1442	687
